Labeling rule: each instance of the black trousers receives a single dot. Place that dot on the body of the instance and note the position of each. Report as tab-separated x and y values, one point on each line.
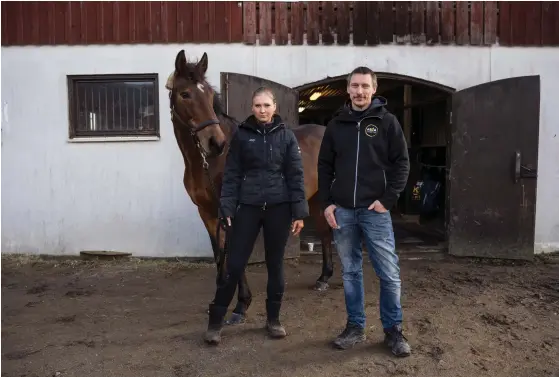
276	223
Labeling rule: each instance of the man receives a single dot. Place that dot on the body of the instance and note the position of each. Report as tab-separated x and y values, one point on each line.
363	166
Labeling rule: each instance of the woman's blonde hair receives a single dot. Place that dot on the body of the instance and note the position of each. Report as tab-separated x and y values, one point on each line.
264	89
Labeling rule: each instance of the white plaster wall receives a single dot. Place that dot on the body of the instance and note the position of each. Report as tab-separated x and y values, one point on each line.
60	197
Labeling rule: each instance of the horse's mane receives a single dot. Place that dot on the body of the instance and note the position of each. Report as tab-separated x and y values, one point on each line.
196	76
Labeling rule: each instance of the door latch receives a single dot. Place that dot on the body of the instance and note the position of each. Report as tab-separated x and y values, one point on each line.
521	171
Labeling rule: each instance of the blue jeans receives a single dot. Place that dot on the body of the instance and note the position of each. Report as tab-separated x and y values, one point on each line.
376	229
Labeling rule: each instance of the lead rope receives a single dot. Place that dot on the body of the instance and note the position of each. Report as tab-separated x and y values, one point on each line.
221	223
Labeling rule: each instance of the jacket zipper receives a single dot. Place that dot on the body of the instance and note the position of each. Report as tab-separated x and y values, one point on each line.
357	159
384	174
266	154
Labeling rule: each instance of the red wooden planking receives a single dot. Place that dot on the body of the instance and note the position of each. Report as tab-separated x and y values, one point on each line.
490	22
476	23
46	23
108	22
156	21
505	23
12	23
185	24
373	24
550	26
532	19
342	22
126	21
236	22
386	21
31	16
462	23
360	22
211	21
194	20
222	22
93	21
402	29
201	21
518	21
265	23
19	23
297	23
7	38
417	22
328	23
74	19
281	21
432	23
313	24
447	22
249	22
170	24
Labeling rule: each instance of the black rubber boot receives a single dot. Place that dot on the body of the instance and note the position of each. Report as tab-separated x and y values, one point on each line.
215	324
273	325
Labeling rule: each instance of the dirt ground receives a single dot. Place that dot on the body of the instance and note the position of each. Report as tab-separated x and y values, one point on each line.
146	318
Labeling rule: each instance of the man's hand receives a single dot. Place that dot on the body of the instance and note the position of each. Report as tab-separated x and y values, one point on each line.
297	226
378	207
330	218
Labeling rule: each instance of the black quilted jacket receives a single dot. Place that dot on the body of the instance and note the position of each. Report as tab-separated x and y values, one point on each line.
264	168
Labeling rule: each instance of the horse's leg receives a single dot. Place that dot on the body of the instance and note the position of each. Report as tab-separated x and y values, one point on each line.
244	295
325	233
327	262
244	299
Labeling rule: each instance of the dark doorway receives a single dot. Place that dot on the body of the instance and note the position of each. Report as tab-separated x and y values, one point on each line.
424	113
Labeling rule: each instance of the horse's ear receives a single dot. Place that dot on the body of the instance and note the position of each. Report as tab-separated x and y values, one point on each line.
180	63
203	64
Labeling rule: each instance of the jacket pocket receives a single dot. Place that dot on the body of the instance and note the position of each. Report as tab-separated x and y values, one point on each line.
373	185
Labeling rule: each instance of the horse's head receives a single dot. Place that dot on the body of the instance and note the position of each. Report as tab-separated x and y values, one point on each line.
192	103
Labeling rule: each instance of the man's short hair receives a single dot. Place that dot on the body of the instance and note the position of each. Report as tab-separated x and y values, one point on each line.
363	71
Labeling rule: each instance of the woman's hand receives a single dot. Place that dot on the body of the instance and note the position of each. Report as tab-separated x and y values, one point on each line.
297	226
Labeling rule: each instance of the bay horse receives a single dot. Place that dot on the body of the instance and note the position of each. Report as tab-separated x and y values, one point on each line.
203	131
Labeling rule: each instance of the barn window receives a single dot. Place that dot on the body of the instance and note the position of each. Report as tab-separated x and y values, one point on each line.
113	105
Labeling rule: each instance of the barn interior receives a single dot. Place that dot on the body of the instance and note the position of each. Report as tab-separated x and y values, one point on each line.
424	114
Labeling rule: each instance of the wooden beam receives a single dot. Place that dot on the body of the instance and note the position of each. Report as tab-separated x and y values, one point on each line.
407	113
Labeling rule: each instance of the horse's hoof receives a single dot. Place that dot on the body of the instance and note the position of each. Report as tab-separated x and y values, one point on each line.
321	286
235	319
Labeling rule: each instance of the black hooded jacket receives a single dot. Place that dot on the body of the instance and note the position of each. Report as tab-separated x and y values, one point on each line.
264	167
363	158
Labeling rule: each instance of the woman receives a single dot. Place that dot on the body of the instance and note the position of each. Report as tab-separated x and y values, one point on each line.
262	186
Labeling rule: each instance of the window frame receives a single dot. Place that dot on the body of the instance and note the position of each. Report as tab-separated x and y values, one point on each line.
74	80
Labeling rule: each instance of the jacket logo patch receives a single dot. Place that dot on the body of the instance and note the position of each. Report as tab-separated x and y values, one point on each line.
371	130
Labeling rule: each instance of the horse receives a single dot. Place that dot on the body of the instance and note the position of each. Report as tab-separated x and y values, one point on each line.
203	131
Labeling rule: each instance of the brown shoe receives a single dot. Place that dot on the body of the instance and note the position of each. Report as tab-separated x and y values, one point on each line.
275	329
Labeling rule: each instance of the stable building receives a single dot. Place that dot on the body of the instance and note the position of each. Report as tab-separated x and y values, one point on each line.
90	161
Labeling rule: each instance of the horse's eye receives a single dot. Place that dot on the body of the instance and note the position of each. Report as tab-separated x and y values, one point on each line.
185	95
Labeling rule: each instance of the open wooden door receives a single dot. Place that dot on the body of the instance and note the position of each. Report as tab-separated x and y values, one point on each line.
494	156
236	90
